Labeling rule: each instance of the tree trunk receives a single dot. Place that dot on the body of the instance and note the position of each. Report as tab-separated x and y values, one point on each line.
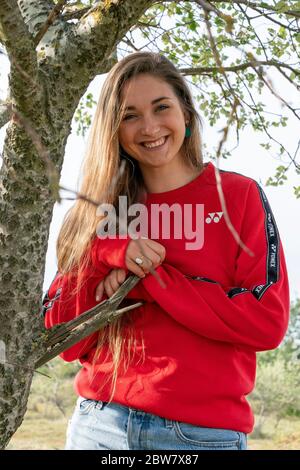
25	216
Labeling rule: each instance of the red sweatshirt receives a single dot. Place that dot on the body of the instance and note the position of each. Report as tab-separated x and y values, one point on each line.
202	331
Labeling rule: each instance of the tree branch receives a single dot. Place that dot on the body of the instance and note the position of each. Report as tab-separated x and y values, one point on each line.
264	126
16	38
53	14
269	85
208	8
222	199
255	6
236	68
73	13
35	13
99	29
65	335
295	13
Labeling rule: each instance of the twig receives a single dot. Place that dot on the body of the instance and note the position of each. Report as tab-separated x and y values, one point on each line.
49	21
236	68
225	135
220	190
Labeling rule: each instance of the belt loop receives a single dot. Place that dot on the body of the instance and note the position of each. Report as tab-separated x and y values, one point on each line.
169	423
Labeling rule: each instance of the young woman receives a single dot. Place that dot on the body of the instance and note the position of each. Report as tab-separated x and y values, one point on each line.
175	372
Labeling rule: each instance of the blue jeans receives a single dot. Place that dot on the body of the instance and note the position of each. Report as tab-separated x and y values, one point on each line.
97	425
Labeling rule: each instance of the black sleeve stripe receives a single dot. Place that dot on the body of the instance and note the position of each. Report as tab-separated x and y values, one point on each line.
47	304
273	240
236	291
273	256
46	298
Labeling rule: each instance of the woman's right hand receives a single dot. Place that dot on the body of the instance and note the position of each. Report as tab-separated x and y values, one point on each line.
152	254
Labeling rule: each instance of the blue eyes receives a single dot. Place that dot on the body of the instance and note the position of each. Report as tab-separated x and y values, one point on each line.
160	107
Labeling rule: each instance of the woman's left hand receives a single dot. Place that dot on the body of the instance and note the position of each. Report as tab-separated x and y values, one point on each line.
111	283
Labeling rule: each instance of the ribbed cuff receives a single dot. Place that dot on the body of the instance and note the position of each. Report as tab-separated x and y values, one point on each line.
110	251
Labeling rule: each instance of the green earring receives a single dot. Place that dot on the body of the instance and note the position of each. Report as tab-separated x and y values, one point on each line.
188	132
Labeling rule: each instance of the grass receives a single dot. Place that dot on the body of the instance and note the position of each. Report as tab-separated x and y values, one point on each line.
52	400
50	405
286	436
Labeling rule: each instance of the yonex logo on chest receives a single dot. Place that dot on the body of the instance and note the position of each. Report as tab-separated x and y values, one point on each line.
214	217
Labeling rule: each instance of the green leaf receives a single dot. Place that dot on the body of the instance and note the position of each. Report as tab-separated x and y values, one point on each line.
282	32
297	191
193	26
282	6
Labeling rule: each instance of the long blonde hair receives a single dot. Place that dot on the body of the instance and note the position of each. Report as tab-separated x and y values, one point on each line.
102	181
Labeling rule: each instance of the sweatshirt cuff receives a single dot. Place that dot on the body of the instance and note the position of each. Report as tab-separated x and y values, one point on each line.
110	251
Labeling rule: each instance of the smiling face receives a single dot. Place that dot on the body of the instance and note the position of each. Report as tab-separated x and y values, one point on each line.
152	129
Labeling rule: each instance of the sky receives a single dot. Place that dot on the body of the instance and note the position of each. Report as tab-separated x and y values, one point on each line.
249	159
